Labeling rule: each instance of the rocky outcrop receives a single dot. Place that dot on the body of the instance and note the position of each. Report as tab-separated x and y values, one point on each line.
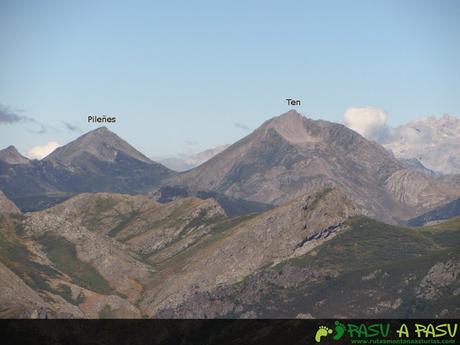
440	276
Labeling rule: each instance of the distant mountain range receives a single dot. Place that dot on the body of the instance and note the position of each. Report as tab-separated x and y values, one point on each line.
301	218
95	162
288	156
184	162
435	142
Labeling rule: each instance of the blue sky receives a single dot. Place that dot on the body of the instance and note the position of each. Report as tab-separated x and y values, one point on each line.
179	75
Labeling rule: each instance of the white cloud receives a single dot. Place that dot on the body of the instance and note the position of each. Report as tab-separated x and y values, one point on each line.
41	151
370	122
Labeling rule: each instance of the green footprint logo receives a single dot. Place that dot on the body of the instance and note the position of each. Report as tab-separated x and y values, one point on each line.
322	331
339	330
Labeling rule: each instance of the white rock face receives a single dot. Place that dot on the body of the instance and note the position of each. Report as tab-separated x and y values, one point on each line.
435	142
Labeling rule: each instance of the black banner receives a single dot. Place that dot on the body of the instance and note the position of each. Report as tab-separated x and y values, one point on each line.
223	332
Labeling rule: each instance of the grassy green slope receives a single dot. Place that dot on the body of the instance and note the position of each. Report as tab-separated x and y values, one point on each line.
369	243
375	270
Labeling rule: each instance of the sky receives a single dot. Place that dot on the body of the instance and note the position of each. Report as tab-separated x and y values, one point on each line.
184	76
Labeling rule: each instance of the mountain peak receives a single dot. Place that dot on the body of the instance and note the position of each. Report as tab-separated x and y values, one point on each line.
291	113
100	143
100	133
292	126
100	130
11	155
11	149
290	116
